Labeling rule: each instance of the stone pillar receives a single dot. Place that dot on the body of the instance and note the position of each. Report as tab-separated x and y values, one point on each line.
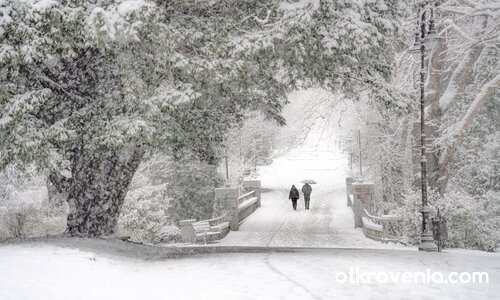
362	197
253	185
187	230
348	185
230	196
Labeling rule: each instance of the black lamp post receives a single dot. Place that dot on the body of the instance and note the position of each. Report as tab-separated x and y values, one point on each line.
425	40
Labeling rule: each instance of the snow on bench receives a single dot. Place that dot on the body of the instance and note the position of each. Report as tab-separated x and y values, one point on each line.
204	230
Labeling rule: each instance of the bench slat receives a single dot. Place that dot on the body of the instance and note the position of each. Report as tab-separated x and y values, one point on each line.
222	225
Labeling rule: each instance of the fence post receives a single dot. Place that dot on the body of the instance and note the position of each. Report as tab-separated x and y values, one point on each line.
253	185
362	197
187	230
348	185
230	196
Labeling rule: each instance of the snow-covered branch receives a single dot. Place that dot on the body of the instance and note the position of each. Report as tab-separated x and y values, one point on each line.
467	121
458	77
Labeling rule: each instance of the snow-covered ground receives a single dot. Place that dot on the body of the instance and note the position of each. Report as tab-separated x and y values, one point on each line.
42	271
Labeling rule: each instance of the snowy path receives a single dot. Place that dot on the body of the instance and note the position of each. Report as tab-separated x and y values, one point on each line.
329	221
41	271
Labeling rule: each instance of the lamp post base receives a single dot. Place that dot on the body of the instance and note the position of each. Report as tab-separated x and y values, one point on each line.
427	243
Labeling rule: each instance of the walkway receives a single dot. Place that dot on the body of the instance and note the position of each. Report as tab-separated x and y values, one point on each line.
328	223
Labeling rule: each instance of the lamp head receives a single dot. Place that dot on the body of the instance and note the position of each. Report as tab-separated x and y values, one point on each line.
415	49
431	38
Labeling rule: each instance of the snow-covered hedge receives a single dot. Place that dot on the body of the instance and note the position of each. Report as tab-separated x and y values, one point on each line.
145	212
473	222
25	208
22	219
164	191
191	187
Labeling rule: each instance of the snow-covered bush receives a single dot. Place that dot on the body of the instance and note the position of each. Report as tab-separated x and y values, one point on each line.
20	221
145	212
164	191
3	229
169	234
191	187
412	221
473	222
52	216
24	202
20	218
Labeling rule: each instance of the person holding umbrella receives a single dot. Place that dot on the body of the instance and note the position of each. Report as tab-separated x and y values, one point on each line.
294	196
306	190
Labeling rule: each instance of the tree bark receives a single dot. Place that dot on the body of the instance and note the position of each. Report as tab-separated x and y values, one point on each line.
435	83
98	188
464	125
455	87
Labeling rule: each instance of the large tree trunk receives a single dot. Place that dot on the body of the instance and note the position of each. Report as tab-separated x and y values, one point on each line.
463	127
435	87
97	190
459	79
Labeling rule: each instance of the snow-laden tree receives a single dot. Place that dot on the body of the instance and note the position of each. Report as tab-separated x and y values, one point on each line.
464	80
249	145
461	125
380	135
89	88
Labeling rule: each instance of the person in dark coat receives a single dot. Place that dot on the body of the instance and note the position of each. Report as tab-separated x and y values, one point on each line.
294	196
306	190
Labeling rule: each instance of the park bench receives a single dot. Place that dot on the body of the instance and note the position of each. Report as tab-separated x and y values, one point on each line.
206	230
238	208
